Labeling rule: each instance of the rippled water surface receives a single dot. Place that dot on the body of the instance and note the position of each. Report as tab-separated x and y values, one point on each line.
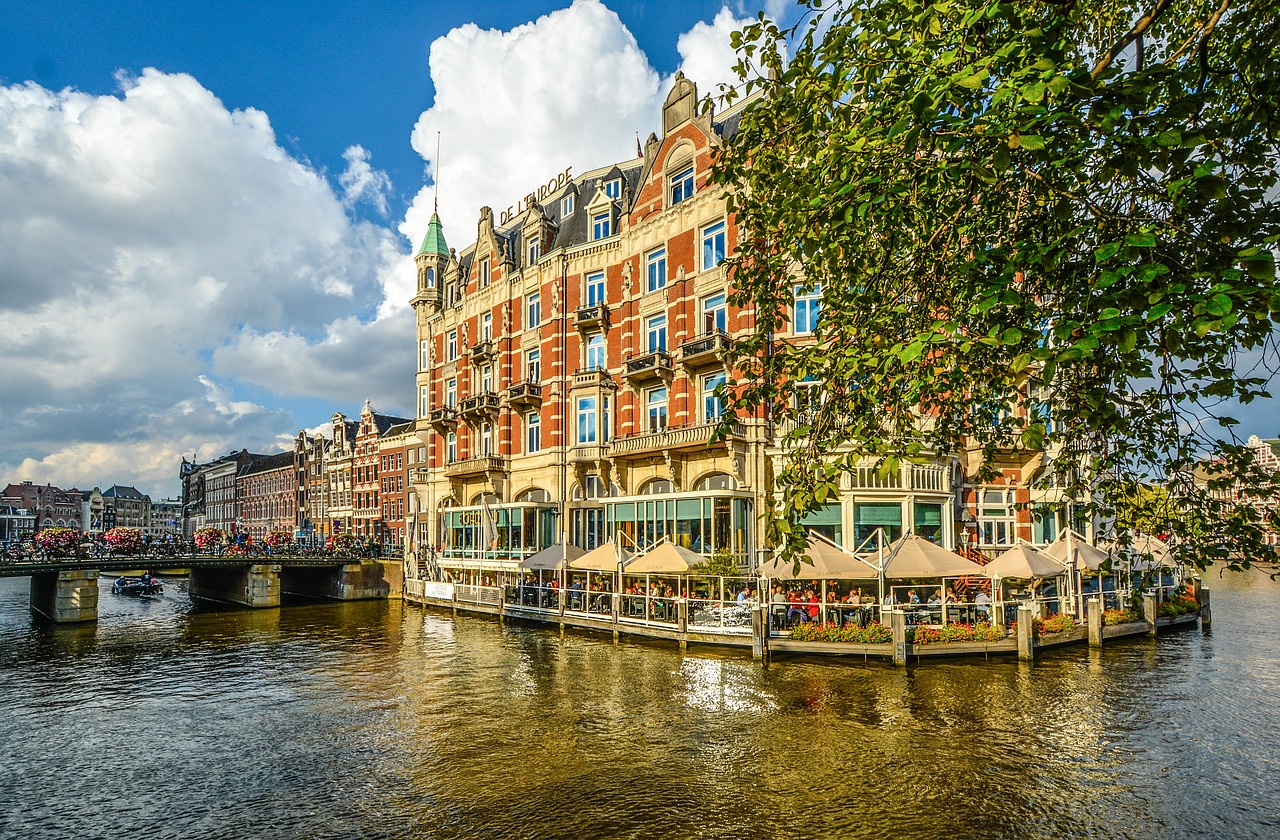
373	719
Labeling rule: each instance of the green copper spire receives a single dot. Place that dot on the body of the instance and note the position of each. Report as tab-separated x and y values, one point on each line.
433	242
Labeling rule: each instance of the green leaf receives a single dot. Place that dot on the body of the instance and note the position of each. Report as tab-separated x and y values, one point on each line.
1107	251
1032	142
1218	305
1140	240
1013	335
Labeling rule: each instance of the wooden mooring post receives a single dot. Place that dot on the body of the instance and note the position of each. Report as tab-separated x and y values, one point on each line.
1094	617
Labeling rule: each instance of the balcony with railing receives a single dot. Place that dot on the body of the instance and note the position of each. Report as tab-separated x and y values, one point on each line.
479	405
483	351
419	475
705	350
592	316
691	438
650	366
592	378
445	417
588	453
525	394
468	467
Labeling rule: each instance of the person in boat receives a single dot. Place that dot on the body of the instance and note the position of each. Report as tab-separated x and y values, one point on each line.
122	582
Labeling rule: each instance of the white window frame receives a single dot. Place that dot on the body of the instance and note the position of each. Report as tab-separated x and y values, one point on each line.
807	308
596	352
533	365
486	326
613	188
655	409
535	249
997	521
655	269
451	447
715	313
712	405
602	225
587	432
426	354
424	396
486	439
655	331
533	310
451	393
486	272
596	289
566	205
682	184
486	379
451	346
715	244
533	432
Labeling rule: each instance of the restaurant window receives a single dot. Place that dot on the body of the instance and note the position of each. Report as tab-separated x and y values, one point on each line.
808	307
587	420
827	521
715	314
712	405
713	245
533	365
533	431
656	333
533	310
996	522
600	225
868	516
595	352
655	400
595	289
927	521
682	184
715	522
656	269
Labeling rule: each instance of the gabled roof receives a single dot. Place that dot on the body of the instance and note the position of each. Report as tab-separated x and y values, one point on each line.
122	491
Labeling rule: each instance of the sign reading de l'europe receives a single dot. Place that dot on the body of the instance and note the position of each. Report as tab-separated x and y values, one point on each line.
549	188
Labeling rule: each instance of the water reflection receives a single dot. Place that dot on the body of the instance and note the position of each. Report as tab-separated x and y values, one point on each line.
179	720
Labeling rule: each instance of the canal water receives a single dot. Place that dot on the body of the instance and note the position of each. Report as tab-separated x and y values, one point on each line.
373	719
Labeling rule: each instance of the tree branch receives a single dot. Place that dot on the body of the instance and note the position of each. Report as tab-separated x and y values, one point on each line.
1140	26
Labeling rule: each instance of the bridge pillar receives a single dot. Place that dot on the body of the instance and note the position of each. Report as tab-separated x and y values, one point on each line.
348	582
250	586
66	596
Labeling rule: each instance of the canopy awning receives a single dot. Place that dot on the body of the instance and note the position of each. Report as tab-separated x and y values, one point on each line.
913	556
602	558
822	560
1075	552
552	558
665	557
1024	562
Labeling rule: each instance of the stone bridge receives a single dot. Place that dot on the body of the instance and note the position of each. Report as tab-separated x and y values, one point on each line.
67	590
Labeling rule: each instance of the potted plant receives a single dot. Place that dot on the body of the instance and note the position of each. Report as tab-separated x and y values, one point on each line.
59	543
123	540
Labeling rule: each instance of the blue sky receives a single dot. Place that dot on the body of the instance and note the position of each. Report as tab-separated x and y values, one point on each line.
207	209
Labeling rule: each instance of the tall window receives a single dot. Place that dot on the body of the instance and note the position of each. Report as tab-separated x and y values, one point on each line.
431	277
600	225
451	346
606	421
595	288
566	206
533	310
682	184
715	315
535	249
656	333
426	355
613	188
486	439
713	245
595	352
586	420
532	432
484	272
486	379
424	400
996	523
451	393
656	269
655	402
451	447
808	308
533	365
712	406
486	326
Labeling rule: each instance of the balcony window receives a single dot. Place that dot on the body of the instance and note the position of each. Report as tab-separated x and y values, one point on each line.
533	432
595	289
600	227
533	365
533	310
656	333
656	269
451	346
486	379
713	245
586	420
451	447
715	314
682	184
613	188
712	406
596	352
486	439
808	304
451	393
486	326
655	401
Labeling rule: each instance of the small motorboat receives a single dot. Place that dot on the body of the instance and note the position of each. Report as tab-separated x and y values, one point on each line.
143	587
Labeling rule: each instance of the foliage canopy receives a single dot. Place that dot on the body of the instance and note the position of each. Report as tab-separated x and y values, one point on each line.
1036	226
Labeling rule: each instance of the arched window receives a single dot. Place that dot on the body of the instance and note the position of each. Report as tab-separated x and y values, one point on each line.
656	486
717	481
534	494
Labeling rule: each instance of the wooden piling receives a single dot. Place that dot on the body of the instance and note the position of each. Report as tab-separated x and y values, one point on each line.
1094	618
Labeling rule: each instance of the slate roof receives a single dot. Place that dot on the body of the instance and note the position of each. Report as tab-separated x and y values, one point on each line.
122	491
267	463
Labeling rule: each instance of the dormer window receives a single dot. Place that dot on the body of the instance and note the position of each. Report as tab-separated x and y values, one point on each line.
535	249
600	227
566	205
613	188
682	184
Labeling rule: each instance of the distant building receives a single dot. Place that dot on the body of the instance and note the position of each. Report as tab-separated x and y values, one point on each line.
15	523
124	507
266	493
367	469
52	506
1266	453
209	491
309	458
166	518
